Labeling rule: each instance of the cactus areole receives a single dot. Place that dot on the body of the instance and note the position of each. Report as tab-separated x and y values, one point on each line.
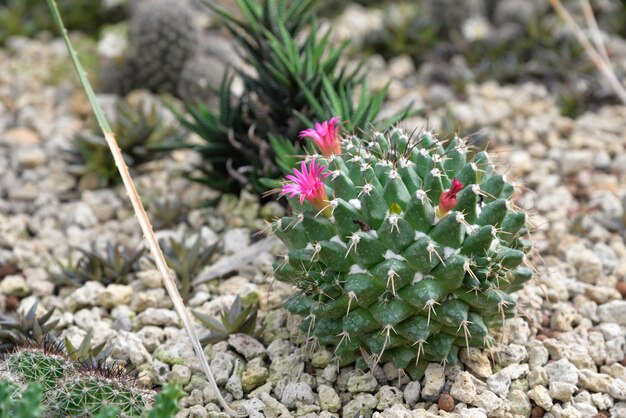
402	247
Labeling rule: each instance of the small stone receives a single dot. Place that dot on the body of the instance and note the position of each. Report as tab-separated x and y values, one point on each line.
246	345
617	389
434	379
562	391
115	295
362	383
329	400
518	402
235	384
477	361
564	317
446	402
297	392
562	371
222	366
388	396
14	285
614	311
489	401
86	295
499	384
273	408
151	337
321	358
538	377
537	412
253	377
602	401
363	405
412	392
473	413
541	397
127	346
463	388
158	317
195	398
595	382
180	374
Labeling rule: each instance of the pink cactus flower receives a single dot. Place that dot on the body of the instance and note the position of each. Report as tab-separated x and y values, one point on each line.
308	184
448	199
326	137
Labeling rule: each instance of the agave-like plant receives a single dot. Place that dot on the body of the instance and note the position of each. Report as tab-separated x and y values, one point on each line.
21	328
114	266
298	77
140	132
186	260
238	319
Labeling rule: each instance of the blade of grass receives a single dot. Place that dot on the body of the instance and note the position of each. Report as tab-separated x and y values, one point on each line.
140	212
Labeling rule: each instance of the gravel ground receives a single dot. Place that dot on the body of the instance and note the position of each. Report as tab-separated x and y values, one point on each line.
563	357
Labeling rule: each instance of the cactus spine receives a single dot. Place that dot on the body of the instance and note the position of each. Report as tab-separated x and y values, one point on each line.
411	256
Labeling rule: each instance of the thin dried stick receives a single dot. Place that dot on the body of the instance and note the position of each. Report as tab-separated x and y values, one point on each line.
597	59
142	217
595	30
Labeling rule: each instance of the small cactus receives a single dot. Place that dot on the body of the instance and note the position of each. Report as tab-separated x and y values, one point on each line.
401	246
88	391
74	385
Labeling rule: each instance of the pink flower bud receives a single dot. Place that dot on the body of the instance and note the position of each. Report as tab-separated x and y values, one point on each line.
326	137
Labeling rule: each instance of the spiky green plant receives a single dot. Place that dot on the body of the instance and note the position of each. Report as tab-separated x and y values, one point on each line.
298	76
408	248
87	393
18	403
140	132
238	319
73	384
186	260
18	328
85	352
114	266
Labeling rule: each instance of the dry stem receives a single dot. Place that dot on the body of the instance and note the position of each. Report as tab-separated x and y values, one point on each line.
603	65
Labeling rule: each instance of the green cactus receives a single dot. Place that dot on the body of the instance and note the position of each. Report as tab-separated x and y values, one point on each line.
406	248
87	393
74	382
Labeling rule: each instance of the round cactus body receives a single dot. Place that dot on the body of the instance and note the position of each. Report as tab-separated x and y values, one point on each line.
403	247
85	395
35	364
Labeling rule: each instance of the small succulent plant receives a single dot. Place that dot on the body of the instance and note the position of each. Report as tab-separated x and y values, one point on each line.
18	328
238	319
73	384
406	247
166	211
114	266
139	131
18	403
186	260
85	352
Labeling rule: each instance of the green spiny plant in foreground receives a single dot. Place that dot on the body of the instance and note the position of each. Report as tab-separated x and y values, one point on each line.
297	77
401	246
73	385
